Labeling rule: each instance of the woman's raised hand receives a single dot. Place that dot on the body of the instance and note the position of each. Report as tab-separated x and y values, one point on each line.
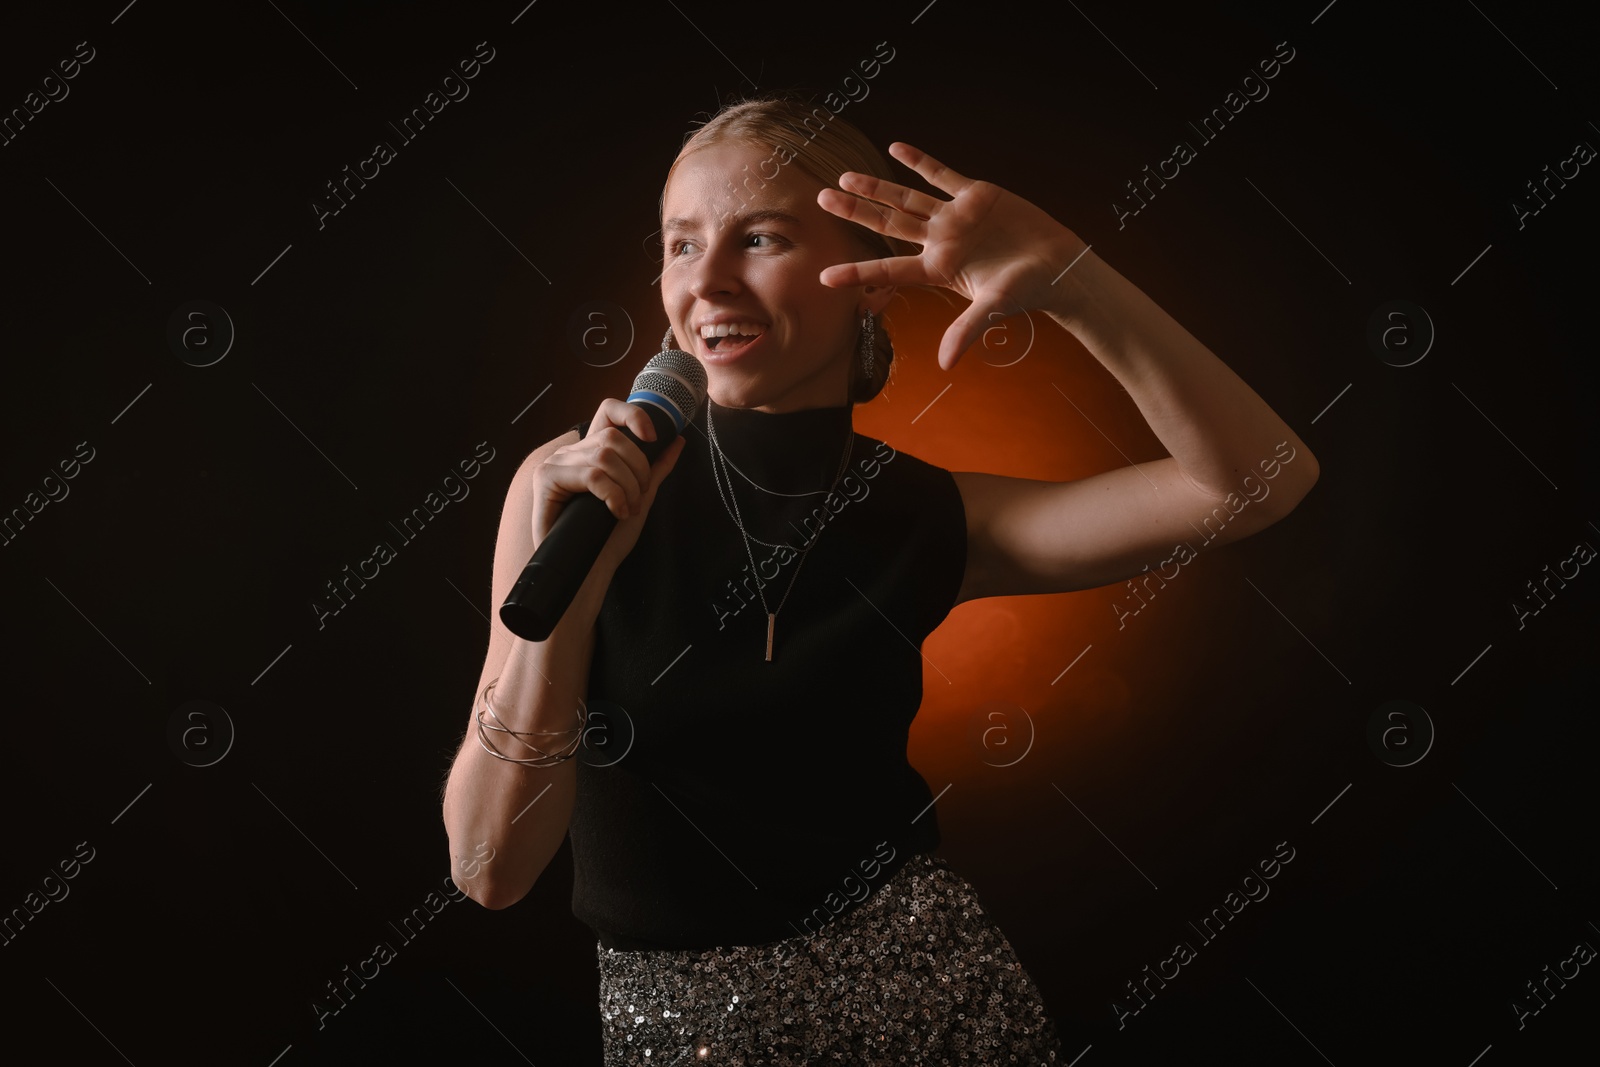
991	246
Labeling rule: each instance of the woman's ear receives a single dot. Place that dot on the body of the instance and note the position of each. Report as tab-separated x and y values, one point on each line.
877	297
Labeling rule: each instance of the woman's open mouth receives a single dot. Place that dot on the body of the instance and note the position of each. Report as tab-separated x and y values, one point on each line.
727	343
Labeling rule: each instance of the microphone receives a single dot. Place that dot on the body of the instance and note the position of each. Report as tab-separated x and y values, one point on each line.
670	389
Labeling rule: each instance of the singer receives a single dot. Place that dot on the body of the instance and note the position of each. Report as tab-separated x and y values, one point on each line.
737	675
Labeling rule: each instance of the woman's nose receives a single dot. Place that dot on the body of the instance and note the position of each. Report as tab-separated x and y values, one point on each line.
715	271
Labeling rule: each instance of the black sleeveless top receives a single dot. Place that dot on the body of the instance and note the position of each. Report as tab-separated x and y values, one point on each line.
726	800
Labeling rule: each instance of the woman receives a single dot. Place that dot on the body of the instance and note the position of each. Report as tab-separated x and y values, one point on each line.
749	842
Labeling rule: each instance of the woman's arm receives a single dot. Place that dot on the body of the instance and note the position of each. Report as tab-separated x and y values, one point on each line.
1235	466
506	820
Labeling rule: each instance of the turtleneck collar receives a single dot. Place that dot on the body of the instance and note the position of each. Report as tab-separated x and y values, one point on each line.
786	452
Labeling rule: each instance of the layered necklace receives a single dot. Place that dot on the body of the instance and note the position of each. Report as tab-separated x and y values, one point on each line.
720	466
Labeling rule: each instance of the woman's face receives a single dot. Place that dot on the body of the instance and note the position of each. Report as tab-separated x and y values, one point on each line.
746	253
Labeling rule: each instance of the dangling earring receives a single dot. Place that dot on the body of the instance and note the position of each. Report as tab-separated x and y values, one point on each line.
868	343
668	342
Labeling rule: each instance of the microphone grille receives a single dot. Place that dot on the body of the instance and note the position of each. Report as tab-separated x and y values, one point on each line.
676	377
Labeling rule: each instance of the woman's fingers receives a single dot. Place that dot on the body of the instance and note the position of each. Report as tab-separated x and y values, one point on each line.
621	413
961	335
932	171
874	216
602	469
606	463
906	199
638	467
609	466
898	270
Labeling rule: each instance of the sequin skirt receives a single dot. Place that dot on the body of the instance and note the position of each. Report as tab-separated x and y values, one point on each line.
915	974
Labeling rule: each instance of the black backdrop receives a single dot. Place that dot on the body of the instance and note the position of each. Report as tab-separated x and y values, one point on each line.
373	350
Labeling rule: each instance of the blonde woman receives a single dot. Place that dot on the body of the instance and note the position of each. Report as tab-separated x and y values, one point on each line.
751	846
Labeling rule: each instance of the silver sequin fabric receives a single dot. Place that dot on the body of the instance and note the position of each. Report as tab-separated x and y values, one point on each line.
916	974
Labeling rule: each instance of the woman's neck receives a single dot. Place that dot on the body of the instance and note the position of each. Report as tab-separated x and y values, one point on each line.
783	452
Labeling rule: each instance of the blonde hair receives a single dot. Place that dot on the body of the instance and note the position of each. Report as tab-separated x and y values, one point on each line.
824	146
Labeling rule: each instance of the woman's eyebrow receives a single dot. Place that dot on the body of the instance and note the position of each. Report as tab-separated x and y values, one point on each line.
759	215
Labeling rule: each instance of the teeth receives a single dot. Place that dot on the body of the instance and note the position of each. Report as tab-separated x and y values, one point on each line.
740	329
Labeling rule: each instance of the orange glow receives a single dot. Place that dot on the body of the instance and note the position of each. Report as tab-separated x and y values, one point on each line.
1007	411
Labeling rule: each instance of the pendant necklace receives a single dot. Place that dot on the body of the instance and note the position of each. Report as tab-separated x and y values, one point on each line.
731	504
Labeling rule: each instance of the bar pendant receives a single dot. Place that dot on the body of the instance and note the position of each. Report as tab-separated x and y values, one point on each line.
772	620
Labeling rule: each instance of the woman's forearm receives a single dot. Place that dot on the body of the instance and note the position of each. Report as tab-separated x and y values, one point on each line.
1211	422
506	820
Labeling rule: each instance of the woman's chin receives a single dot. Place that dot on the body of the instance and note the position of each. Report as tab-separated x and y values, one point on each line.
732	394
745	386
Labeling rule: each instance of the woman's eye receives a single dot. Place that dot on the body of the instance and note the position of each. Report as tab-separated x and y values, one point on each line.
679	248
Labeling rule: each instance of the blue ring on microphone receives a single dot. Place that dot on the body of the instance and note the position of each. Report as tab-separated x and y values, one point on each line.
651	397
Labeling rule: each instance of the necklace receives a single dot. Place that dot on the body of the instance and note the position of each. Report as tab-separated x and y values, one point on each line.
731	503
722	457
770	492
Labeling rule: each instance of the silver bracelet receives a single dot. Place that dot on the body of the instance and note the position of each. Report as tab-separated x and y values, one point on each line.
582	718
544	759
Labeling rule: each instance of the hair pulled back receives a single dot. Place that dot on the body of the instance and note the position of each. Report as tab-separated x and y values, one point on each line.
800	134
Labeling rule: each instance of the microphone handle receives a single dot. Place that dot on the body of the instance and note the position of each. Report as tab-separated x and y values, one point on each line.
552	578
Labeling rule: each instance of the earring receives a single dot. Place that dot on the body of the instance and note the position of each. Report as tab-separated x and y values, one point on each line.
668	342
868	343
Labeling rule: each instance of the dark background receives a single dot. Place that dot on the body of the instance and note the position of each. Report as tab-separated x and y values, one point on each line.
427	315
